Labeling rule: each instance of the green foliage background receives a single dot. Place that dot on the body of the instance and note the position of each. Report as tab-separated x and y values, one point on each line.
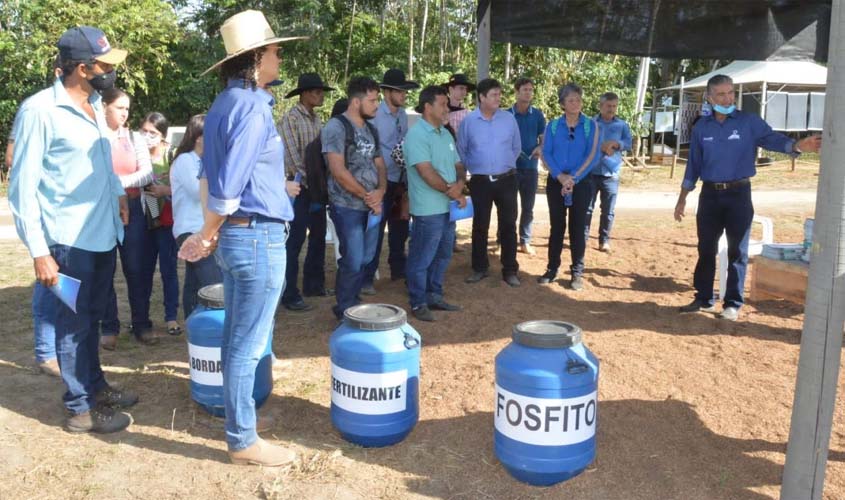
172	41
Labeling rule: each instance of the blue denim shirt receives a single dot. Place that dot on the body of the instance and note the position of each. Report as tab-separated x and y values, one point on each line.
575	153
391	127
63	189
489	147
531	126
614	130
727	151
243	155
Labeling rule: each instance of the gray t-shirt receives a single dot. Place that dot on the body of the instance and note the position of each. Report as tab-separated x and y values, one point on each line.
359	162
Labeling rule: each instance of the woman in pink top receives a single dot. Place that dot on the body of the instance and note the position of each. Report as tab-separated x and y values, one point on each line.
131	162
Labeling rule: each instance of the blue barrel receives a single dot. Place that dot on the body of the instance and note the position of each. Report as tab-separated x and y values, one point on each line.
546	403
375	357
205	336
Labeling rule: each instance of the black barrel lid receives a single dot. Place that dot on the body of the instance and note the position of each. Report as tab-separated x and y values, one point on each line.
375	317
211	296
547	334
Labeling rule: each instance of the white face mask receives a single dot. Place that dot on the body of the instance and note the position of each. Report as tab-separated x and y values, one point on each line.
153	140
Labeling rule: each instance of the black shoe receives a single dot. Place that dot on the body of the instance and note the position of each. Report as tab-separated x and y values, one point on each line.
476	276
512	280
397	276
577	283
298	306
116	398
102	420
548	277
325	292
146	337
442	305
423	313
695	306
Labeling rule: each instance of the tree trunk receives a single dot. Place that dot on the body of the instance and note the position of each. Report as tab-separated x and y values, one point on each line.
442	31
422	31
508	62
411	40
349	42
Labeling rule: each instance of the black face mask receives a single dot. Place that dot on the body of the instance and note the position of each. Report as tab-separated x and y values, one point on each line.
103	81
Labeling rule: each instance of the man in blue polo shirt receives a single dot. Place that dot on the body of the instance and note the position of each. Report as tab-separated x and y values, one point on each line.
531	124
604	178
723	151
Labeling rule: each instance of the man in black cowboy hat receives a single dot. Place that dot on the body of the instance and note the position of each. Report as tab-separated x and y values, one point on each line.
299	127
392	124
458	87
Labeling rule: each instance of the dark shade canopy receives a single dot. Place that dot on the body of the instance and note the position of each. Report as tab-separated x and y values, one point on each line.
707	29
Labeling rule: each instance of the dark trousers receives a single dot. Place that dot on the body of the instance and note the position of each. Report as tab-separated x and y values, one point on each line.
77	338
164	249
607	188
729	211
484	194
198	274
397	236
558	213
311	220
527	185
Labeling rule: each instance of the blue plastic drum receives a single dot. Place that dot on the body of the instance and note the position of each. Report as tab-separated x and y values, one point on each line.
546	409
375	358
205	337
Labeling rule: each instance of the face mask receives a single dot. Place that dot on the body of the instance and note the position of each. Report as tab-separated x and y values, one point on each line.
153	140
103	81
724	110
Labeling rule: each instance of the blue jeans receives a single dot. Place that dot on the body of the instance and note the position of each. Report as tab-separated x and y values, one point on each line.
729	211
608	187
164	247
429	253
44	304
134	260
198	274
252	260
397	235
77	339
526	184
357	248
312	220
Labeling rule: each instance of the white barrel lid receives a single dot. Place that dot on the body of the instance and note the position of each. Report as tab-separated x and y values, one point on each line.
375	317
211	296
547	334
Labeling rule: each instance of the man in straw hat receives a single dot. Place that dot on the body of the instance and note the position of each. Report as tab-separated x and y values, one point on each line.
61	144
248	212
392	124
299	127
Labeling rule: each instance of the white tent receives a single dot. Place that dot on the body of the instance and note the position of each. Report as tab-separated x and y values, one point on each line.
749	73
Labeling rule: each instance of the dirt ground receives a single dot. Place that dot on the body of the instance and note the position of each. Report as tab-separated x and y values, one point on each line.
691	407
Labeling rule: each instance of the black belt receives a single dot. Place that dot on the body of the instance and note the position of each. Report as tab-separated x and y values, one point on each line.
246	221
494	178
722	186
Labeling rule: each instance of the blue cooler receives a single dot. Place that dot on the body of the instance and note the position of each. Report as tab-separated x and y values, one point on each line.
375	358
205	337
546	408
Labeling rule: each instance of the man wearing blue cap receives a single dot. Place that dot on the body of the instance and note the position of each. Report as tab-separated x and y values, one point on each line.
69	210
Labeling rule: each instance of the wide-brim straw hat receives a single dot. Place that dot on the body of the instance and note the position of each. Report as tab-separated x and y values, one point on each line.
245	31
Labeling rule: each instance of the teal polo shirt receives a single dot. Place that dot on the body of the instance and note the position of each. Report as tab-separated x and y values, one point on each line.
424	143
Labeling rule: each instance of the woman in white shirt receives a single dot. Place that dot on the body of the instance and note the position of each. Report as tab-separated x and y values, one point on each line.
188	211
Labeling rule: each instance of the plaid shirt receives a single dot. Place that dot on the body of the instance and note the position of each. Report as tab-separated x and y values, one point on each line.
298	128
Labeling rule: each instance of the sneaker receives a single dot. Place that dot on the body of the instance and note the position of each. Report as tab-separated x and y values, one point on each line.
527	248
697	305
548	277
368	290
476	276
442	305
604	246
101	420
423	313
263	453
730	313
298	306
116	398
577	283
108	342
50	367
325	292
512	280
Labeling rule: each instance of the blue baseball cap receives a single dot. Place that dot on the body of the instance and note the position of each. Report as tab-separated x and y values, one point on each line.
85	43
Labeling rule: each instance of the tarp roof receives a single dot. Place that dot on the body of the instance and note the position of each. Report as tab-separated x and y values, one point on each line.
799	73
700	29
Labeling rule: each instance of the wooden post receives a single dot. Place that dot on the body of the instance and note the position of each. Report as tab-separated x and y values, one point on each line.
484	44
824	316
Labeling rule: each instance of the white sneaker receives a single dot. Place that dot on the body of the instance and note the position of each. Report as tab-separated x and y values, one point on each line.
730	313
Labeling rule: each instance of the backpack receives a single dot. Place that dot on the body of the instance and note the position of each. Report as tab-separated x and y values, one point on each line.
316	168
587	124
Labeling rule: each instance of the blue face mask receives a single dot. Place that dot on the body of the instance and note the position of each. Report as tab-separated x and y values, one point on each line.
724	110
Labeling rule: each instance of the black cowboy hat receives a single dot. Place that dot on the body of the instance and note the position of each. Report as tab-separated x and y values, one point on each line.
308	81
460	79
395	79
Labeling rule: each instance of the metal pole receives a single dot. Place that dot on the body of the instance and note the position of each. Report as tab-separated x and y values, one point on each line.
653	123
824	316
739	99
680	125
484	44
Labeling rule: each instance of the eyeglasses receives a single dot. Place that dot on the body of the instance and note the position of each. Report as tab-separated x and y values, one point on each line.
571	133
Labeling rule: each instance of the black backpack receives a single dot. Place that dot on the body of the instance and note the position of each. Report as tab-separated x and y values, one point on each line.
316	168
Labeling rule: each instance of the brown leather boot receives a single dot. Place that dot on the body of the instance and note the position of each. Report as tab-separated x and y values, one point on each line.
263	453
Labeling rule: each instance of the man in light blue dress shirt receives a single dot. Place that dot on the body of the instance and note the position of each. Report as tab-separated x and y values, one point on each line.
69	209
